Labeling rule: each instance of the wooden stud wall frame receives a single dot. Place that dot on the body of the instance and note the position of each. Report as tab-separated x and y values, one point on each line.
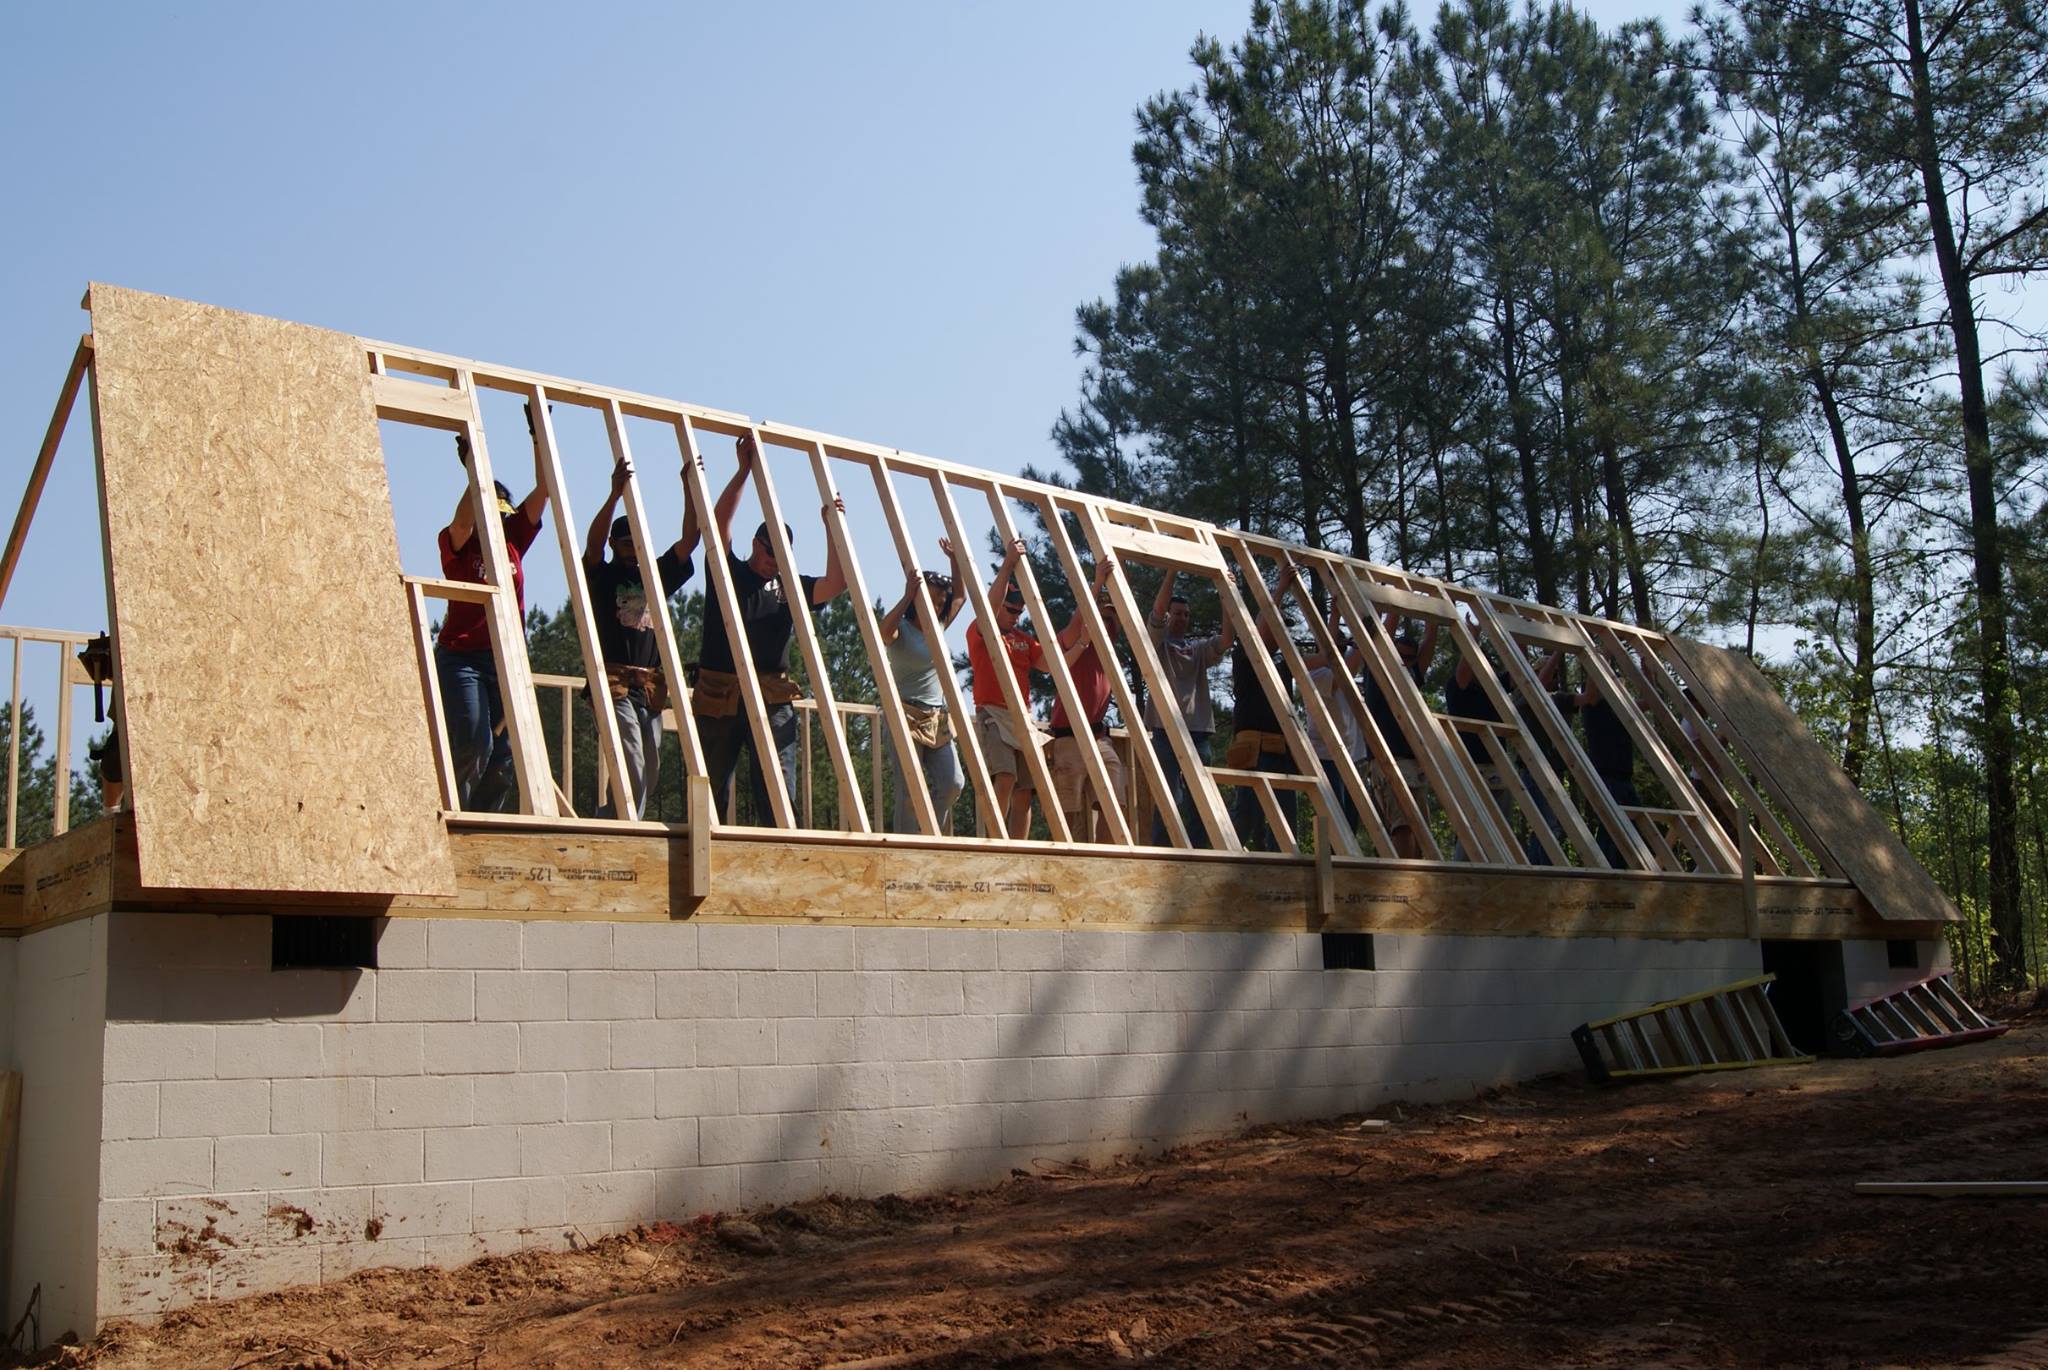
1730	797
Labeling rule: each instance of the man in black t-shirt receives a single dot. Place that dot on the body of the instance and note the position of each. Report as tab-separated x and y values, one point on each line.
1465	697
1257	744
766	619
1415	654
1613	754
625	635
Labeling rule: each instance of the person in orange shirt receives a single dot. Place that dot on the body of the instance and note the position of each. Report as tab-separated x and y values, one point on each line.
1002	734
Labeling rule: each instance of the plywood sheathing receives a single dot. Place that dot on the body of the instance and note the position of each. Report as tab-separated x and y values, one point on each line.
269	691
1860	844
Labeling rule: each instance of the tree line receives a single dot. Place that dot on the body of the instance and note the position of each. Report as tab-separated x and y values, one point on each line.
1706	331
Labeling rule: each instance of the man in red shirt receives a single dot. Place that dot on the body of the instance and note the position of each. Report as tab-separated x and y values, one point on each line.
480	748
1091	683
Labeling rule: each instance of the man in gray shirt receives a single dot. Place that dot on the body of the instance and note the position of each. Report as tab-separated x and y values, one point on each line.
1188	661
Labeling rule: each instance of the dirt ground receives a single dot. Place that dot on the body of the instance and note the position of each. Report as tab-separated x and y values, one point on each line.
1700	1222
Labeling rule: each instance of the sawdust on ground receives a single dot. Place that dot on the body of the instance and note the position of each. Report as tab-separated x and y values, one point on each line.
1701	1222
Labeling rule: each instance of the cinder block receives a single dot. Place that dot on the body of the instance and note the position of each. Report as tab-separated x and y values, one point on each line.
681	1195
328	1105
510	1205
1039	1124
1085	949
1062	991
213	1108
179	994
855	1085
778	1182
623	1197
472	944
737	946
127	1227
341	996
421	1210
160	1166
267	1051
370	1158
554	945
402	944
471	1153
564	1046
1155	951
854	994
1148	1075
185	941
1062	1077
928	992
344	1259
814	948
371	1049
266	1162
1202	991
732	1141
696	993
961	949
736	1042
1096	1034
525	996
966	1127
963	1037
426	996
809	1041
317	1215
654	946
158	1051
814	1136
245	1271
921	1084
1028	949
469	1048
994	992
1148	1032
565	1148
602	1095
654	1143
1030	1034
611	994
142	1286
653	1043
423	1101
778	994
891	1039
778	1089
696	1093
129	1111
1126	991
539	1098
892	948
1240	951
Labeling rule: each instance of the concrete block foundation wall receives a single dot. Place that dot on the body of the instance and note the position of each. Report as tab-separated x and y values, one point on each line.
499	1085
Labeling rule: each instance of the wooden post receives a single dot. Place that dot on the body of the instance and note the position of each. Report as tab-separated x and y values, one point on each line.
1752	917
60	817
665	644
701	816
14	746
430	683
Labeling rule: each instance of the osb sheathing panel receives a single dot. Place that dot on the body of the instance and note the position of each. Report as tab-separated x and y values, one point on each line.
270	695
1860	843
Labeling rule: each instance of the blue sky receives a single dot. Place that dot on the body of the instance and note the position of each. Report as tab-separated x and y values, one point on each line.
874	220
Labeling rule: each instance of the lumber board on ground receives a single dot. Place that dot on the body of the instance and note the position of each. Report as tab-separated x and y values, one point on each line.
1860	844
266	677
1958	1189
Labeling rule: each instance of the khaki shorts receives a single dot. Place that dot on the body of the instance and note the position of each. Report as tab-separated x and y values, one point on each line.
1387	801
1070	771
1002	743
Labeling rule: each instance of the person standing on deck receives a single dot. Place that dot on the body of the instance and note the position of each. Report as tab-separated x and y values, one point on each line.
1465	696
1323	678
625	634
1187	661
480	750
1415	654
917	682
767	619
1257	744
1613	754
1091	684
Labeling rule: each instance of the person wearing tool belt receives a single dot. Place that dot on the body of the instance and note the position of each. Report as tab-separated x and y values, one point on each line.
908	649
625	635
1256	743
766	618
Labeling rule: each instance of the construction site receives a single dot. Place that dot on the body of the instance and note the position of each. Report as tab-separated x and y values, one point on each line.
1229	1078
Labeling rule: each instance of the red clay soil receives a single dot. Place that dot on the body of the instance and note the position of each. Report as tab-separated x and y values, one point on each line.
1700	1222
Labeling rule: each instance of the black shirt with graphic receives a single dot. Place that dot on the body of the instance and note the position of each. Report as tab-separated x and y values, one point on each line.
764	613
1252	711
618	599
1608	745
1383	714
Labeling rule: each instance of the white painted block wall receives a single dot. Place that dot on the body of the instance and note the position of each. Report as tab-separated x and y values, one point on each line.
498	1085
1867	971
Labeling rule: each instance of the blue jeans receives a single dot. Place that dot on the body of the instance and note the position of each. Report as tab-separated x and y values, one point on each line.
1178	792
1249	815
942	780
1622	789
479	747
725	738
640	739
